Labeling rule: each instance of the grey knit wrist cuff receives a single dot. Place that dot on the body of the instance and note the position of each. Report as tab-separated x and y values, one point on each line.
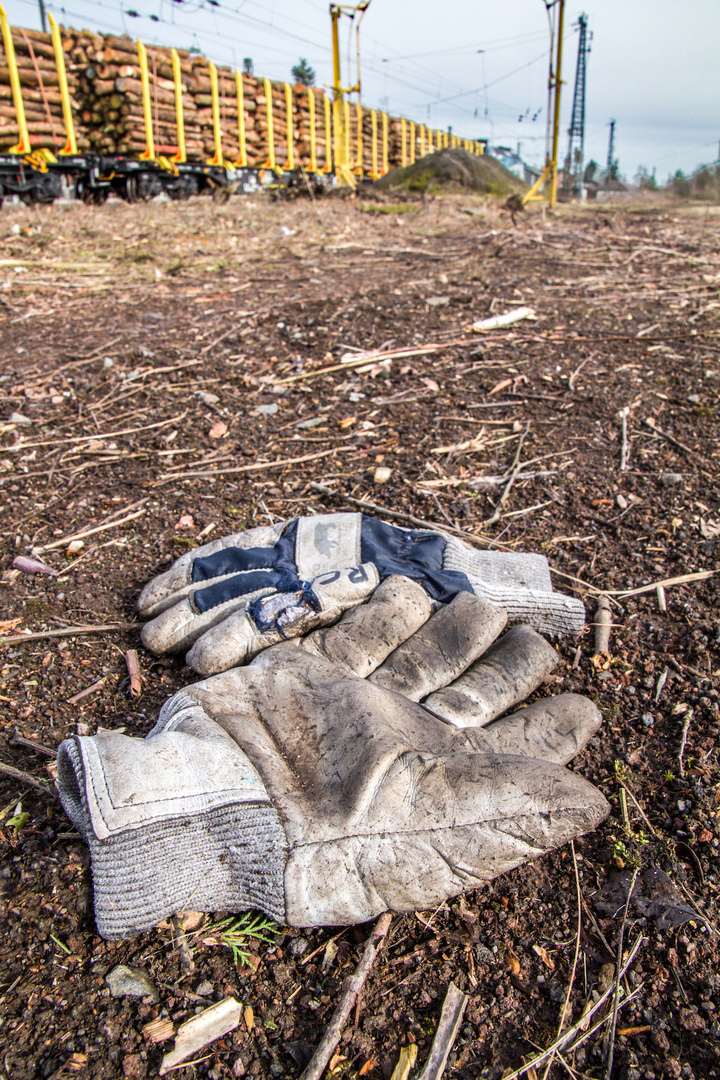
208	839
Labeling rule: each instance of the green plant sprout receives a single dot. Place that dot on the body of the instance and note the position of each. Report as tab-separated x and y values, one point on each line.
235	934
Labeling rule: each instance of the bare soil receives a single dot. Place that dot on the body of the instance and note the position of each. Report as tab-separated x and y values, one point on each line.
139	341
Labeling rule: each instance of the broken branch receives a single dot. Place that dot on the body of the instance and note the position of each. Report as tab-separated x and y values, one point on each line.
351	988
450	1020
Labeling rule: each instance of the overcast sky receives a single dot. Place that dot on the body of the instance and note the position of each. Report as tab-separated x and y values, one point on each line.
477	65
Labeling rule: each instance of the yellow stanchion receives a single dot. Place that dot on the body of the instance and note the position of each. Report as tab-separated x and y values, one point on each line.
290	160
328	135
403	151
217	158
313	146
181	155
412	143
240	93
385	156
373	148
359	165
270	163
70	146
23	146
148	153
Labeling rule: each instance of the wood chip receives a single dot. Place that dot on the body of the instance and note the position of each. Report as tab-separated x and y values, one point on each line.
206	1027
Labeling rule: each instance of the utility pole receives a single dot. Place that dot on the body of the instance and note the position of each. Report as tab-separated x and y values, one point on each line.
43	21
556	118
611	150
573	172
549	173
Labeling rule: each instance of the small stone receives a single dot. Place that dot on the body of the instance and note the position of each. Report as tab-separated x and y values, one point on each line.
204	989
208	399
670	478
18	418
437	301
265	410
125	981
108	362
382	474
621	501
298	946
238	1067
647	720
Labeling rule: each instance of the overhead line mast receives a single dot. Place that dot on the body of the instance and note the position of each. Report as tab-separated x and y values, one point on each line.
573	171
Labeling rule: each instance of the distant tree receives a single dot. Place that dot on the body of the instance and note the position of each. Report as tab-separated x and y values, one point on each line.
303	73
590	171
680	183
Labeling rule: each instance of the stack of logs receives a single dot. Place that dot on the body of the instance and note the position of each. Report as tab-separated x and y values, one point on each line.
40	90
106	96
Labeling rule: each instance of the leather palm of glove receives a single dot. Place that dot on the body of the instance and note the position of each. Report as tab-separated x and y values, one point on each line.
360	769
228	600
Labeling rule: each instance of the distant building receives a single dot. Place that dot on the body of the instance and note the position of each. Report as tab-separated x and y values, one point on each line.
514	164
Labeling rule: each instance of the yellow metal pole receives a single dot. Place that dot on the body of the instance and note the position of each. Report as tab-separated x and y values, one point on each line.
290	163
412	143
340	159
385	164
374	163
403	154
70	146
217	158
422	140
360	164
429	141
313	148
148	153
240	92
23	146
328	135
270	130
181	155
556	117
346	133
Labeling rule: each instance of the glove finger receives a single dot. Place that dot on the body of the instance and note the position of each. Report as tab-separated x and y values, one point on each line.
436	827
554	729
240	636
509	671
171	586
367	635
177	627
443	648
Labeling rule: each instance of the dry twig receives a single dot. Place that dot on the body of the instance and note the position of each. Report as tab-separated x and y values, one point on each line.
351	988
450	1020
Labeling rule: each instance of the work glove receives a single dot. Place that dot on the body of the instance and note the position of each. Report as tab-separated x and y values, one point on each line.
232	598
359	769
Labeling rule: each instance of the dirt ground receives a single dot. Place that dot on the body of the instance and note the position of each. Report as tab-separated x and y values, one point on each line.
165	364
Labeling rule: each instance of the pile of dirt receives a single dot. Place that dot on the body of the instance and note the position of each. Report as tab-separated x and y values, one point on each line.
453	169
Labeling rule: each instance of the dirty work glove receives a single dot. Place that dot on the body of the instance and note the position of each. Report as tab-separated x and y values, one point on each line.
232	598
359	769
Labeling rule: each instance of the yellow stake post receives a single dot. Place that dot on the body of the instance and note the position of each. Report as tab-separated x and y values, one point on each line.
290	162
385	165
313	148
359	164
148	153
23	146
429	141
70	146
181	156
328	135
242	158
422	140
346	133
373	150
217	158
412	143
270	163
403	154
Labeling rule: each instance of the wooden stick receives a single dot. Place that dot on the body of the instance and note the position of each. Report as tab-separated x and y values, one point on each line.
610	1034
29	744
69	631
378	357
568	1035
91	532
261	466
86	692
683	740
351	988
603	625
133	668
514	470
701	575
623	415
26	778
450	1020
578	893
399	515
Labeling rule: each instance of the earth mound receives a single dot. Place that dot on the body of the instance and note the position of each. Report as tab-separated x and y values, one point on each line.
454	169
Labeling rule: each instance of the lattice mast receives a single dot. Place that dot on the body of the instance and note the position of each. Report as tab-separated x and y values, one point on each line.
573	172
